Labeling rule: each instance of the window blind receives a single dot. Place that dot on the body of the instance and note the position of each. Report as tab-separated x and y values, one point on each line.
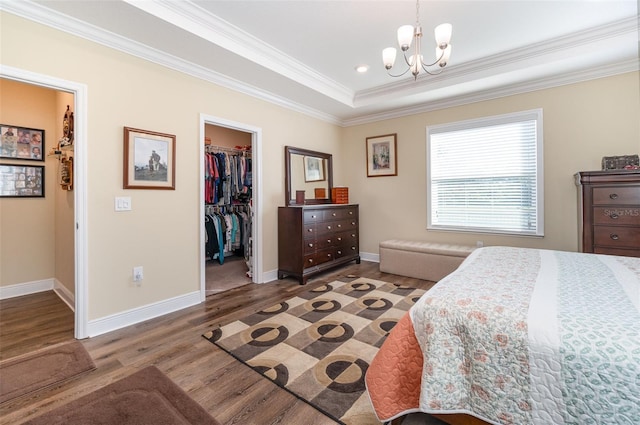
485	175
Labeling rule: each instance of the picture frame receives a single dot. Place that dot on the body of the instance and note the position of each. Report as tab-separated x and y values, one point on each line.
149	160
382	159
21	181
22	143
314	169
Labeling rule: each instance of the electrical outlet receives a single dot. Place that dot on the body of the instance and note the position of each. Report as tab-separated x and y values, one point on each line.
137	274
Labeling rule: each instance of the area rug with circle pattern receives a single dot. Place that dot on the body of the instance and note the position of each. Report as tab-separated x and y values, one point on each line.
319	344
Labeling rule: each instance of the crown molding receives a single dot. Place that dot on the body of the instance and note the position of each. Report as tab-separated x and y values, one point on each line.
194	19
532	52
631	65
51	18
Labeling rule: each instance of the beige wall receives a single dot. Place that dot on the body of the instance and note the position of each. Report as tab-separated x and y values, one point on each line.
43	248
161	233
582	123
27	225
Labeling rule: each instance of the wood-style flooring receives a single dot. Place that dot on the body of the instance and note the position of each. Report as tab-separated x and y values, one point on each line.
228	389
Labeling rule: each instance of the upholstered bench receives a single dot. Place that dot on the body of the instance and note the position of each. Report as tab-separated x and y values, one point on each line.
422	260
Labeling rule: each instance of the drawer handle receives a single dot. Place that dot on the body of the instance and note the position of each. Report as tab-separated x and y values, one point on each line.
614	216
313	216
351	212
613	196
353	248
339	252
310	260
310	245
329	255
339	239
309	230
328	240
353	235
329	227
353	223
339	225
614	236
333	214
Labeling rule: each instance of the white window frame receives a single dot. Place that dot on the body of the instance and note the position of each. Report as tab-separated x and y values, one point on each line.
535	114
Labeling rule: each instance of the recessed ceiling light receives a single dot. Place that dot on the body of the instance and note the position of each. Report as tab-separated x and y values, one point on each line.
362	68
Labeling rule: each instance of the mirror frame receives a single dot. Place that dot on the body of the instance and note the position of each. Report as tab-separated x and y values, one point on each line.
288	151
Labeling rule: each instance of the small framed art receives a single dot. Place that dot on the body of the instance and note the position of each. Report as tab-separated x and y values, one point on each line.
381	156
21	143
21	181
149	160
313	169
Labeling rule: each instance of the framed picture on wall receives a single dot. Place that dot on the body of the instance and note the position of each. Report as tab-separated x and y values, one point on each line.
21	143
21	181
381	156
149	160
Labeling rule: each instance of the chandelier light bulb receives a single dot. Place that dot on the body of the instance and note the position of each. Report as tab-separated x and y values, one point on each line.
389	57
405	37
443	35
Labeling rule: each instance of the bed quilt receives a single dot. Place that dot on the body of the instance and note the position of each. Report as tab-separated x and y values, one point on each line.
519	336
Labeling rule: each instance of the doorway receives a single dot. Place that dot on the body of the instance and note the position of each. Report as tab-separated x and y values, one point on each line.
237	260
79	93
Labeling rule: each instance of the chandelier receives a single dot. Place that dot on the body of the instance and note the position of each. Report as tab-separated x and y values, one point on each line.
415	62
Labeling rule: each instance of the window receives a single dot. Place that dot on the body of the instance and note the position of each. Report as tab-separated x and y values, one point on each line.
486	175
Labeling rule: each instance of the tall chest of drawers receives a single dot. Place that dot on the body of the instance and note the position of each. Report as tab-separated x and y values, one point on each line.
313	238
610	212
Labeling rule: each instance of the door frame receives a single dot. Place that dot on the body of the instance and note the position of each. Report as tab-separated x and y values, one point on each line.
79	91
256	195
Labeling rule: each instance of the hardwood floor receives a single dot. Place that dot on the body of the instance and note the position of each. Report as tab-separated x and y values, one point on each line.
229	390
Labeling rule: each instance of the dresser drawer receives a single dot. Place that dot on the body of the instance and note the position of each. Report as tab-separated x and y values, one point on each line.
336	226
311	216
629	195
614	236
617	215
340	213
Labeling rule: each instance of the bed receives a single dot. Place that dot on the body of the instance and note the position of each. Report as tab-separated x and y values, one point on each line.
519	336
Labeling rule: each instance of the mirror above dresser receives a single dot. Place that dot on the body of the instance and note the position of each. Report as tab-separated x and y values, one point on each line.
308	171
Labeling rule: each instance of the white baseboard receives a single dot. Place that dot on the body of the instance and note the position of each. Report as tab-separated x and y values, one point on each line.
368	256
65	295
131	317
27	288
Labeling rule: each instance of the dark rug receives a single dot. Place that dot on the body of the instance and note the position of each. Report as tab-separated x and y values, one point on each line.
40	369
318	345
147	397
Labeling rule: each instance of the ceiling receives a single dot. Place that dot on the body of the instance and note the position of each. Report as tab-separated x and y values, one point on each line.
302	54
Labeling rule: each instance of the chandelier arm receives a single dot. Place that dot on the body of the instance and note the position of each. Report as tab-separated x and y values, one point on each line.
431	72
398	75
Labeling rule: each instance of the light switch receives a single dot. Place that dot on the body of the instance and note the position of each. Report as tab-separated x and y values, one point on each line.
123	203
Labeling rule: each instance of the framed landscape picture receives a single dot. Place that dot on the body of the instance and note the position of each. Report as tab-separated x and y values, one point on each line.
149	160
21	143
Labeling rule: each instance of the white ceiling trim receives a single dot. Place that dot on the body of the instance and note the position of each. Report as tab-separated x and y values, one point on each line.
630	65
196	20
45	16
532	53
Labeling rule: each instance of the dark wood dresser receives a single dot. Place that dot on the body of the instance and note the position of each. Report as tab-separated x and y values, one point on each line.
610	212
313	238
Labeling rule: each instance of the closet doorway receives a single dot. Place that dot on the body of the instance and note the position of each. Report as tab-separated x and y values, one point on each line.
229	205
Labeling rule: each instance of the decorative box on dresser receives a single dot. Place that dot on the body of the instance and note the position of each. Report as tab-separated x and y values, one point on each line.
313	238
610	212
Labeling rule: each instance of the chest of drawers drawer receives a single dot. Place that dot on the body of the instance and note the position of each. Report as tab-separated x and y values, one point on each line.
617	236
622	215
616	195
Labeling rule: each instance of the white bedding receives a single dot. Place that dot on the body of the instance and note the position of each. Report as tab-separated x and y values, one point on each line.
525	336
